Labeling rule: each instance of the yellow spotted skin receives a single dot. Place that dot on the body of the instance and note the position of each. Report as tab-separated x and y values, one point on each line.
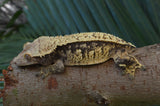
54	53
91	53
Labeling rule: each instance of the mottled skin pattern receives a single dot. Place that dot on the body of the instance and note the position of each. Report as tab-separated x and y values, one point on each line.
54	53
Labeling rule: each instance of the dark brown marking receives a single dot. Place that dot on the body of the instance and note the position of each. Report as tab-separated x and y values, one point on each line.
104	37
94	55
102	50
73	48
94	35
122	50
122	88
77	38
83	52
52	83
110	37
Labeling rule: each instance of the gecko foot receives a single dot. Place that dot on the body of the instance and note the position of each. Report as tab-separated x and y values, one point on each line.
128	65
58	67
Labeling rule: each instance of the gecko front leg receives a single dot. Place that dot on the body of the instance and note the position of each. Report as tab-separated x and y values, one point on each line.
57	67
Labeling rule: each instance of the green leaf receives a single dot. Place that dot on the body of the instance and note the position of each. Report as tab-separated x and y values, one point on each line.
10	27
14	17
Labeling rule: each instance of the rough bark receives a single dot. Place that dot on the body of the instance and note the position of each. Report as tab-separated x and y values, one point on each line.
77	85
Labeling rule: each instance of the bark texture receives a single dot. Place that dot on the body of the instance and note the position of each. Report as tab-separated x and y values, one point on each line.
79	86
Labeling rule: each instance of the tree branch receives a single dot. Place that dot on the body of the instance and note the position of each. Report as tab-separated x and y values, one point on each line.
84	85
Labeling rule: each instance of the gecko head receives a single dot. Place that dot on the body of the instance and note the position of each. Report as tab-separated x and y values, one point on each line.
24	59
33	51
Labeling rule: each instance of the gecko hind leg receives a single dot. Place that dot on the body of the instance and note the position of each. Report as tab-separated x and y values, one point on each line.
57	67
128	64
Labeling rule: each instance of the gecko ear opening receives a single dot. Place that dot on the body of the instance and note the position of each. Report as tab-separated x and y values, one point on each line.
27	56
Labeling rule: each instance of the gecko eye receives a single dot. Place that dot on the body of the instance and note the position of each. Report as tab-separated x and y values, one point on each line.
27	56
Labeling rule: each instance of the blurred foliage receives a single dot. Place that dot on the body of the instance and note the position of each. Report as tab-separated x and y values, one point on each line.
3	2
11	17
11	27
133	20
